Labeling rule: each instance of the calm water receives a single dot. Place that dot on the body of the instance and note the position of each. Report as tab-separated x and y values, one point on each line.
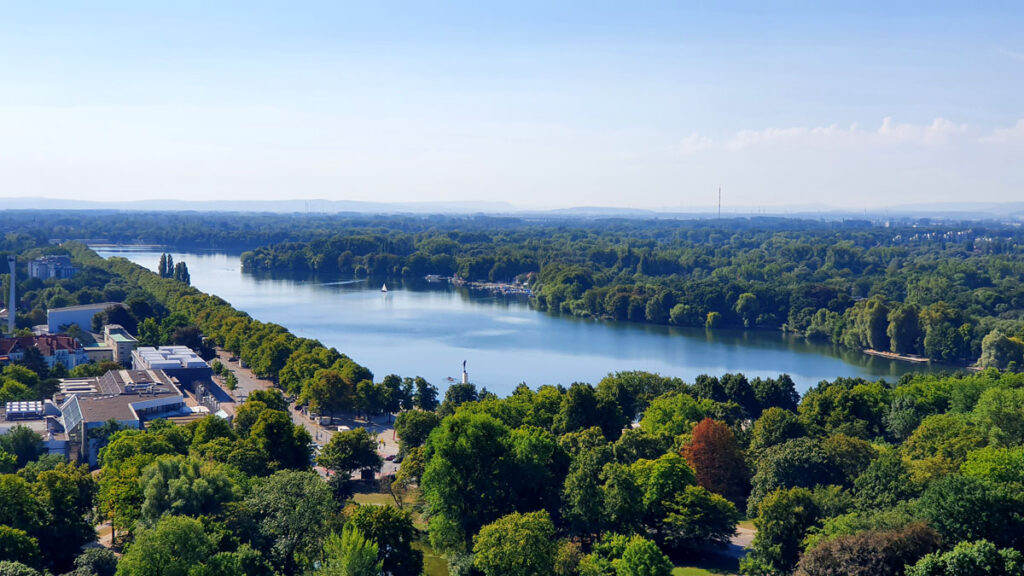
428	330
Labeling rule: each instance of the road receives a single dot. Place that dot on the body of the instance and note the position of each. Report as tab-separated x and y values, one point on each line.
379	426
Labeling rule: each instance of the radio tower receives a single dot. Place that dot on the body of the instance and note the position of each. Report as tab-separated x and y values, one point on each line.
719	202
11	299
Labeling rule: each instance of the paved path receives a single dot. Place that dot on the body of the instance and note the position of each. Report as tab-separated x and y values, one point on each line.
379	426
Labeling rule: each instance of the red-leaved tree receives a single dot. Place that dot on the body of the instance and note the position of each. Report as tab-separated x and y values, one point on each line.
716	457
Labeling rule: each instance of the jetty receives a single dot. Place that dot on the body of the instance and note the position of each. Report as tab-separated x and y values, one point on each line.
913	358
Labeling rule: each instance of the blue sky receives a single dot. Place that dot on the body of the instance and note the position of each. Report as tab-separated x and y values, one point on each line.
541	104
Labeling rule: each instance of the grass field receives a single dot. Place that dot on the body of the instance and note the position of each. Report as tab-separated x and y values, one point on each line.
433	565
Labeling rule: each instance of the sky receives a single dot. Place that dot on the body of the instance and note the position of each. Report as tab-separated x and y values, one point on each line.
853	105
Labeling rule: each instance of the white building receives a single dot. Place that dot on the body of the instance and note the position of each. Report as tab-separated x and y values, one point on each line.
128	397
54	266
58	318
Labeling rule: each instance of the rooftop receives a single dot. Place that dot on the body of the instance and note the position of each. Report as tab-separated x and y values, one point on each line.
97	306
113	395
168	358
46	344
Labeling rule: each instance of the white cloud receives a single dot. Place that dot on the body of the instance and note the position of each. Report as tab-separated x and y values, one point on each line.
1015	55
939	132
694	143
1009	135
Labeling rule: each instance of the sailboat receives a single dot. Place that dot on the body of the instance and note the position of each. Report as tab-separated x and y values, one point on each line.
384	287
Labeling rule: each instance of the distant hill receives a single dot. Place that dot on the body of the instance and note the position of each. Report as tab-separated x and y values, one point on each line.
943	211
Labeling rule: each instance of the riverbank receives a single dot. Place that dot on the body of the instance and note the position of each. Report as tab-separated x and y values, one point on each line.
912	358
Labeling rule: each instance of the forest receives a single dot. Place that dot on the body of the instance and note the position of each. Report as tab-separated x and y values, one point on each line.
634	475
952	294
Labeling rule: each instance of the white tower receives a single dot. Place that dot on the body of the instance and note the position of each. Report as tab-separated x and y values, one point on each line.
11	261
465	375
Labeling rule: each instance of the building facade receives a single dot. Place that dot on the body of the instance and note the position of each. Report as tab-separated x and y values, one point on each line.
54	348
58	319
126	397
57	266
121	342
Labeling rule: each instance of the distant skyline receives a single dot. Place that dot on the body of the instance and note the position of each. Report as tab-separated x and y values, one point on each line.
540	105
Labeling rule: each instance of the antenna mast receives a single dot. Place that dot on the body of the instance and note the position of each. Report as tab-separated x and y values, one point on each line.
719	202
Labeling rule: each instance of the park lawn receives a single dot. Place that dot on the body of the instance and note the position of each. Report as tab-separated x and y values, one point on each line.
433	564
699	571
374	498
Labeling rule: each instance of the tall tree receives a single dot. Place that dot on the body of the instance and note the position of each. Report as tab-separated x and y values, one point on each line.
351	451
292	511
393	532
715	456
350	554
516	545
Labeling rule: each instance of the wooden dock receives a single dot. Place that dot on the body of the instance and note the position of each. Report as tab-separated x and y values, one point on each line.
912	358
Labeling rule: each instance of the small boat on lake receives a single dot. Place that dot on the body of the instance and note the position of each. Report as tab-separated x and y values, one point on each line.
384	287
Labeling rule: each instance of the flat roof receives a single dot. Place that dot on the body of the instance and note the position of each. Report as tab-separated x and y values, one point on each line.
119	337
97	306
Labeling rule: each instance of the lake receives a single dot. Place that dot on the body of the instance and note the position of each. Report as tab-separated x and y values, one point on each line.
421	329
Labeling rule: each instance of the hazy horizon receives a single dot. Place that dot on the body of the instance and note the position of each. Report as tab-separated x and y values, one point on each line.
541	106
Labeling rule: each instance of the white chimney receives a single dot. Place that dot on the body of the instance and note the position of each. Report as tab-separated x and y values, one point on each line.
12	301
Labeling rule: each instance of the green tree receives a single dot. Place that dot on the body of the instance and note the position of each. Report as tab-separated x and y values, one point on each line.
516	545
149	332
884	483
181	486
18	506
350	554
582	408
8	568
540	466
698	519
466	480
171	548
795	463
660	481
774	427
642	558
783	518
95	562
622	499
425	397
292	511
672	414
23	443
852	407
17	546
285	444
904	329
999	465
977	558
964	508
66	493
413	427
998	351
582	506
351	451
393	532
939	445
947	335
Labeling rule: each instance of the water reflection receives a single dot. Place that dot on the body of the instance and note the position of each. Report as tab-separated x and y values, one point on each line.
419	328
